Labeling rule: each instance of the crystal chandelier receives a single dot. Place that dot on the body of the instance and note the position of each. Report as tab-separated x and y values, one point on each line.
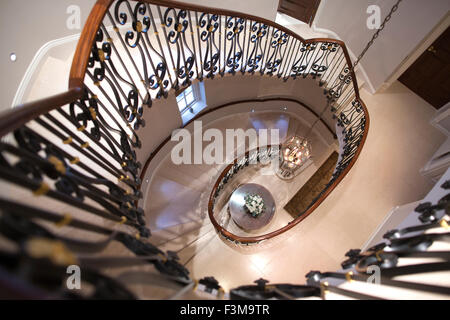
295	152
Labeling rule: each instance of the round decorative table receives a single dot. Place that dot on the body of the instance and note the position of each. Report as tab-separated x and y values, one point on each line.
244	219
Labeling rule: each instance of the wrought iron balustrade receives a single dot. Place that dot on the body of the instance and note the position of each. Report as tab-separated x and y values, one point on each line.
76	152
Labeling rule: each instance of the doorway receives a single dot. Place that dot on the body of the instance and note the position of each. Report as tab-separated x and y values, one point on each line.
428	76
303	10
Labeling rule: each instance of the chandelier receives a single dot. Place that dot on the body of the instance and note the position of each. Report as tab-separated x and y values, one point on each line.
295	152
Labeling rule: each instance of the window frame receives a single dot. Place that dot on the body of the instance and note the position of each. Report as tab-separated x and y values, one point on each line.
188	106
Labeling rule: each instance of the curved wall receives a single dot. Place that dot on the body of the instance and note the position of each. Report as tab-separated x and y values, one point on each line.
163	117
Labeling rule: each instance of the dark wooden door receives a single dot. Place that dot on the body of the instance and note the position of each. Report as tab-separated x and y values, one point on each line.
303	10
429	75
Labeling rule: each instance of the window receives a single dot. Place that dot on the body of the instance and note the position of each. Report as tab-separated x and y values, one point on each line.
186	99
191	99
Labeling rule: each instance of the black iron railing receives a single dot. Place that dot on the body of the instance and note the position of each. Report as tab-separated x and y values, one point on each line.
76	152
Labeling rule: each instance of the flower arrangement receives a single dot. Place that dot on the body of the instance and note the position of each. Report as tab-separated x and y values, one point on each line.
254	204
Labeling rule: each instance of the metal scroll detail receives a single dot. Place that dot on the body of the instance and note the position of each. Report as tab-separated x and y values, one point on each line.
258	31
275	53
177	23
302	62
233	28
209	25
321	62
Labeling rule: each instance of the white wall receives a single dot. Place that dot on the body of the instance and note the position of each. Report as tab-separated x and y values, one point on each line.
409	26
160	120
261	8
25	26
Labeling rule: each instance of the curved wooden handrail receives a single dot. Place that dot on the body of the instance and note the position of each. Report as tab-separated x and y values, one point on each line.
228	104
16	117
84	46
297	220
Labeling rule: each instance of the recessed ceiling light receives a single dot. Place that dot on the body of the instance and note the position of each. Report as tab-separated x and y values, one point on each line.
13	57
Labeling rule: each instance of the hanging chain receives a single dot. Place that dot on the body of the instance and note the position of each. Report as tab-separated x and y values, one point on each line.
388	17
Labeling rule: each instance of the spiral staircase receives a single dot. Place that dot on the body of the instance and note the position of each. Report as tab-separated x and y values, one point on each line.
83	183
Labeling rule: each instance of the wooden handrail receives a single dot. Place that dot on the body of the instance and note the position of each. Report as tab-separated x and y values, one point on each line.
10	121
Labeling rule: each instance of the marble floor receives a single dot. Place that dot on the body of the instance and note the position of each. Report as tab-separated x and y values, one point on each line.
179	193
